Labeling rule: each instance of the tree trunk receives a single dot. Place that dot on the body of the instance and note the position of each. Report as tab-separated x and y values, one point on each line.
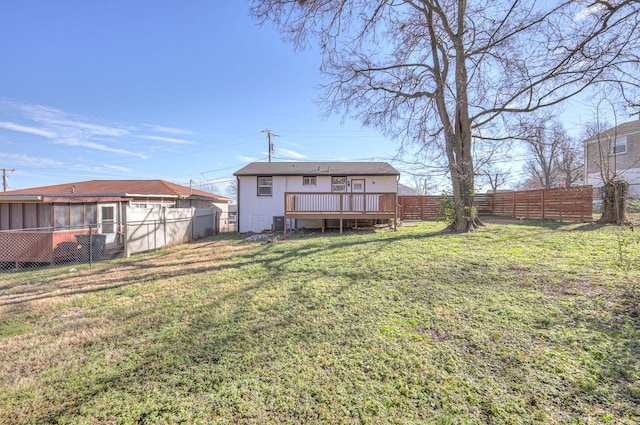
460	153
462	178
466	217
615	202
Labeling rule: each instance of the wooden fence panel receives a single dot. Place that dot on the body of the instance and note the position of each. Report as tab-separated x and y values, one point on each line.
419	207
573	204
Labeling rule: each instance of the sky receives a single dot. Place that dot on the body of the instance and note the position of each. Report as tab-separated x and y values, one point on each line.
174	90
160	89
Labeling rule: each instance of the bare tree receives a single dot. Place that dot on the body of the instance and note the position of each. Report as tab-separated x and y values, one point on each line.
487	157
570	162
600	145
206	186
423	185
442	72
232	190
544	140
553	156
495	177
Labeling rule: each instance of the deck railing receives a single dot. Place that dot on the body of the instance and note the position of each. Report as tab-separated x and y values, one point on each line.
339	203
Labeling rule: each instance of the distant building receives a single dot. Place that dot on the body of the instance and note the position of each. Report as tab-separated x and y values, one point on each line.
310	193
617	150
404	190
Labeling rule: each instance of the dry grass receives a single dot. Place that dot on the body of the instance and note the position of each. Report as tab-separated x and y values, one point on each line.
520	323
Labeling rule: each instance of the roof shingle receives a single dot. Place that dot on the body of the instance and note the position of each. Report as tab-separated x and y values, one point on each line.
116	188
317	168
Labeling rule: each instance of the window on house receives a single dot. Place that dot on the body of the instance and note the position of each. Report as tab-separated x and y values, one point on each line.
338	184
357	186
77	216
265	186
620	145
30	219
91	214
4	217
309	181
44	215
62	216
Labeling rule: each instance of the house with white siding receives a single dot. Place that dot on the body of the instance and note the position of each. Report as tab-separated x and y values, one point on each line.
284	195
614	152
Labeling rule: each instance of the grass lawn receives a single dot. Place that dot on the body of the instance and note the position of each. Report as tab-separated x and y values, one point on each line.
528	322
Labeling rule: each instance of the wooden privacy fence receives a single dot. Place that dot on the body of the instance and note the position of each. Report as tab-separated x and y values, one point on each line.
574	204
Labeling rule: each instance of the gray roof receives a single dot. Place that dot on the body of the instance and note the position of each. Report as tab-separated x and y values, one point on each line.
620	130
317	169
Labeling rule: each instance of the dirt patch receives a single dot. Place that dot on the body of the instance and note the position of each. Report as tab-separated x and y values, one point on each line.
191	258
573	288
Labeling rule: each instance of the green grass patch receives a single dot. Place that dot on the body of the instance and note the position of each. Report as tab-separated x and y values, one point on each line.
534	322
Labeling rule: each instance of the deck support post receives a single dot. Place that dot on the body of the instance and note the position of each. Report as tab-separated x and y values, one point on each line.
395	215
324	224
340	225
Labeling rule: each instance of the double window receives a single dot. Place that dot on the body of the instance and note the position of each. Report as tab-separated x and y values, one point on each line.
338	184
309	180
265	186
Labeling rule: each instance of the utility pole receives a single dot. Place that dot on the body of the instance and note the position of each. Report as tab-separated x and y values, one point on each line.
4	176
270	134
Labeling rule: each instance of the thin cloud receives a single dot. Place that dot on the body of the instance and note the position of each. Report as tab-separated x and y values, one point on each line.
244	158
89	128
68	129
97	146
288	153
170	130
588	11
55	119
117	168
29	130
20	160
168	140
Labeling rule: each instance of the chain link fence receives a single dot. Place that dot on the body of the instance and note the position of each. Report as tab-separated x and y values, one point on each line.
145	230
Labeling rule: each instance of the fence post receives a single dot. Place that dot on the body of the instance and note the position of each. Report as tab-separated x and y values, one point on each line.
542	200
90	247
493	195
155	235
164	227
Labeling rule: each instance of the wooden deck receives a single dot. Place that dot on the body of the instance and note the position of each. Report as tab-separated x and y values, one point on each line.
341	206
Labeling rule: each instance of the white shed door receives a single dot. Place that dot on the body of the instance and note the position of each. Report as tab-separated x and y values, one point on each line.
107	222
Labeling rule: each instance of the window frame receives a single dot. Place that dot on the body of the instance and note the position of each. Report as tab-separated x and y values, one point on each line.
313	181
619	142
263	186
337	183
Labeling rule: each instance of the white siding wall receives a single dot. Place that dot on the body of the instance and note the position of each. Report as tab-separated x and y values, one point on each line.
632	175
256	212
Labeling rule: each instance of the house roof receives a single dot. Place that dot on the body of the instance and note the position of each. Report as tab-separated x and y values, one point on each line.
619	130
115	189
317	168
